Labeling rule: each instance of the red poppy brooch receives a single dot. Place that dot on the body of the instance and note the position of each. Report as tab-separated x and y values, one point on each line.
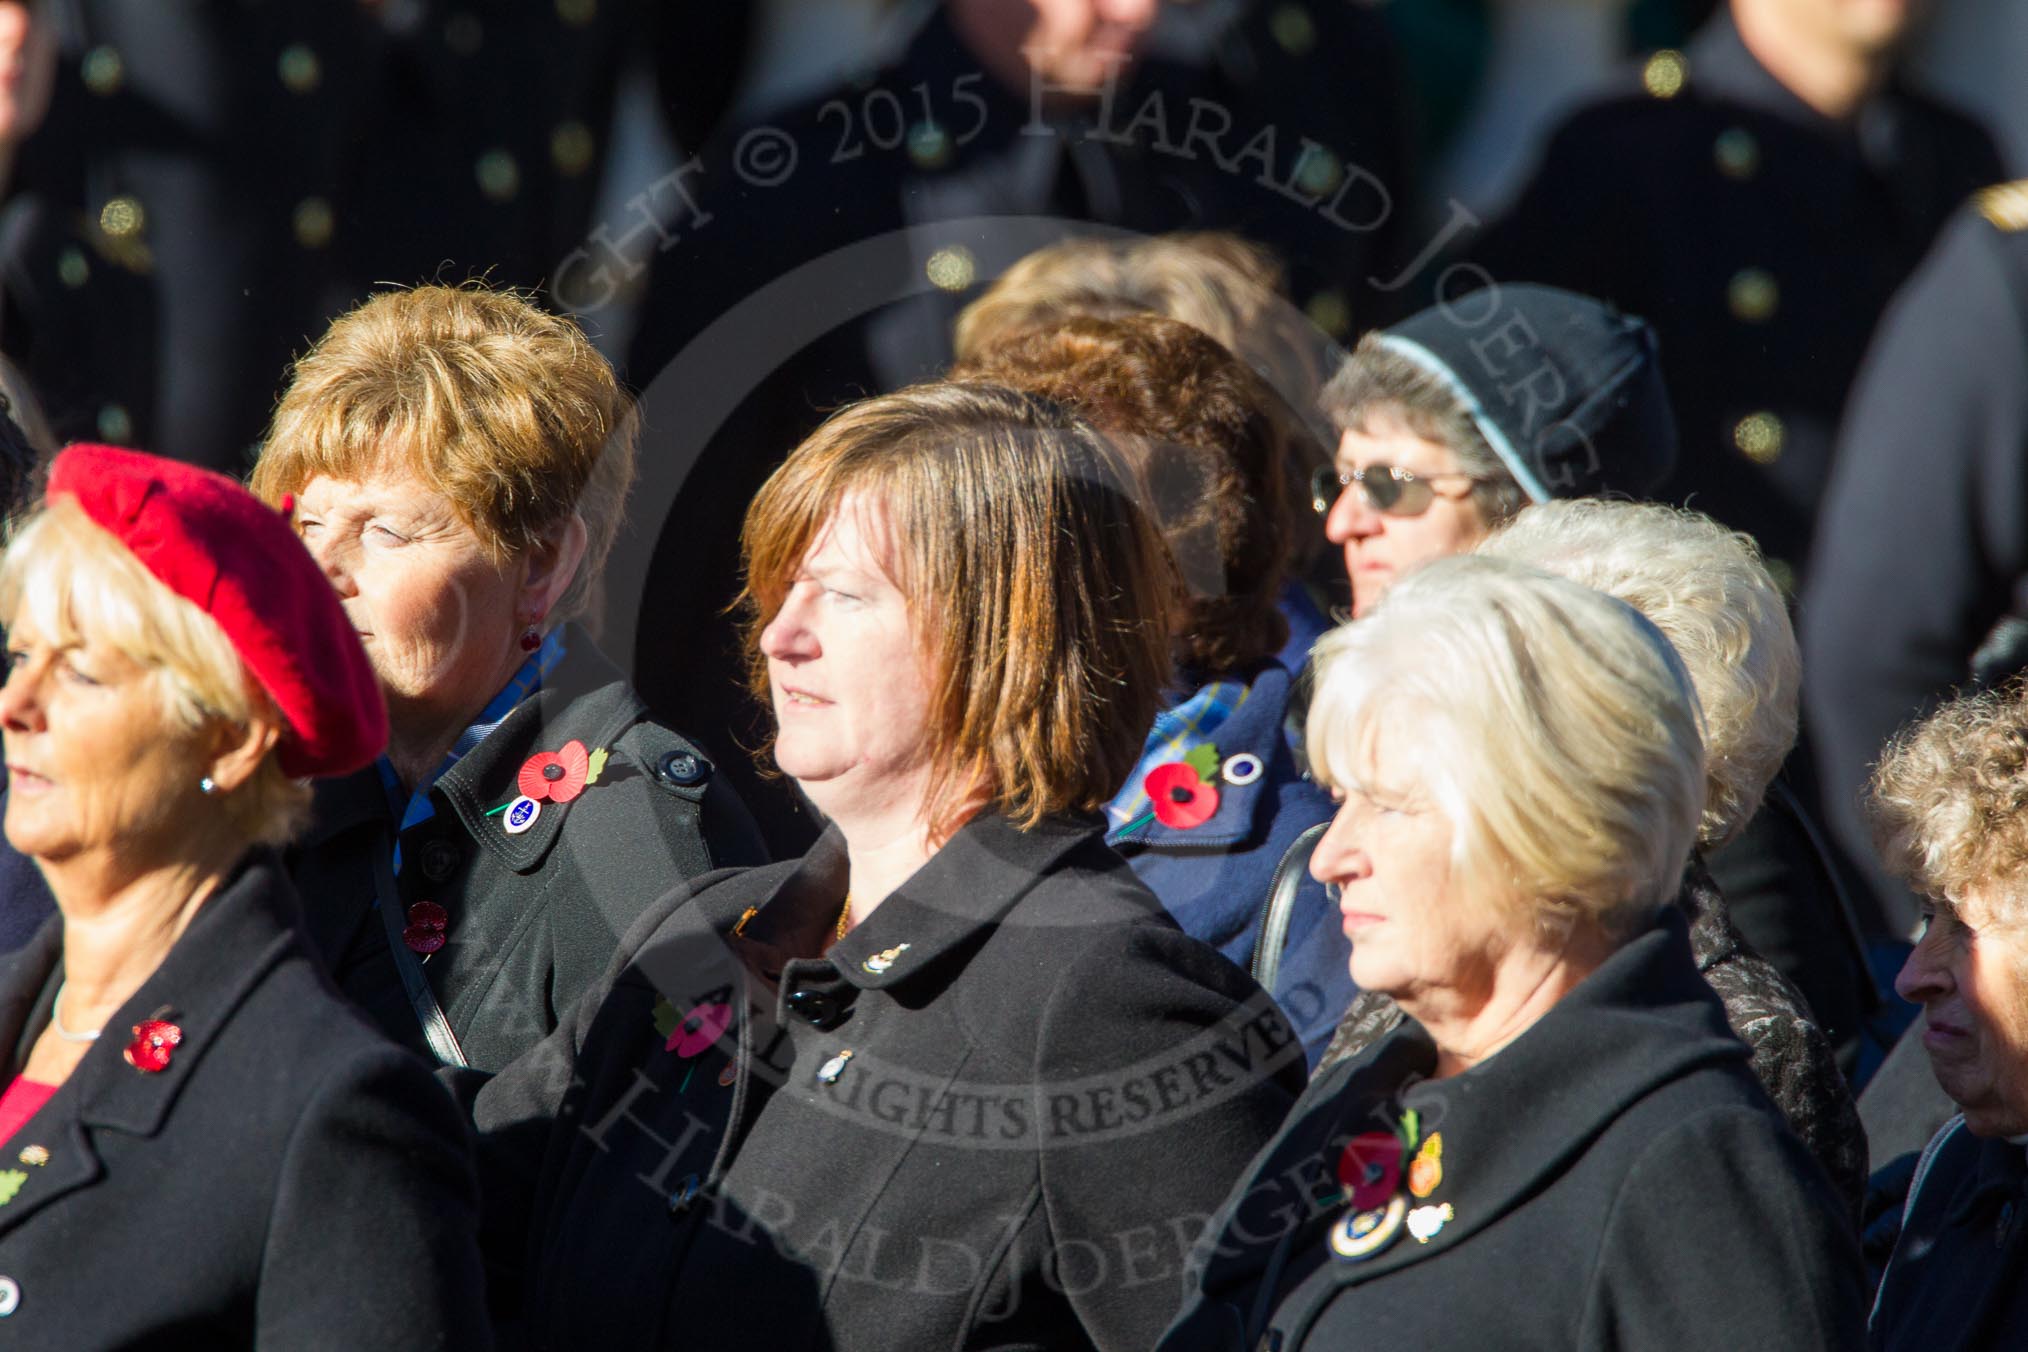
1183	794
1371	1170
154	1041
425	931
551	777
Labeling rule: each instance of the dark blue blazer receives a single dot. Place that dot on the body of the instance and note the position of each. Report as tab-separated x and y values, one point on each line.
1214	878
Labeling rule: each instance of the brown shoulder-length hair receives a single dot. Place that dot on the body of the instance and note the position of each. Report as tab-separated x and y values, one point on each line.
1203	429
1038	590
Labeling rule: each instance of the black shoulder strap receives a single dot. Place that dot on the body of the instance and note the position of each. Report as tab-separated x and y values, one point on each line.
436	1028
1274	919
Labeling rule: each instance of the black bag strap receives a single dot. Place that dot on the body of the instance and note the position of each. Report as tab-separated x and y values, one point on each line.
436	1028
1281	903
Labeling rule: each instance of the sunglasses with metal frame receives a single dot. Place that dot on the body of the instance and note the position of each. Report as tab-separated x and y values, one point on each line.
1389	488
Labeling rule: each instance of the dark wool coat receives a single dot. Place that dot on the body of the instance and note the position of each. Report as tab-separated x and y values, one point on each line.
994	1116
1615	1178
289	1180
1791	1056
534	916
1955	1282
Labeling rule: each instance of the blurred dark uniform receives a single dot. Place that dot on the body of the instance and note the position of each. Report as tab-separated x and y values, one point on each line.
168	237
933	140
1761	240
1924	546
217	180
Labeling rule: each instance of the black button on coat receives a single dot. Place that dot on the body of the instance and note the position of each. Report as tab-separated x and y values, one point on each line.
288	1180
1024	1091
534	917
1616	1178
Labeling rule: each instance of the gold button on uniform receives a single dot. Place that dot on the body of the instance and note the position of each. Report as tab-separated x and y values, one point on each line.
1318	172
1329	311
1664	74
1759	437
499	177
1294	29
313	222
572	148
1752	295
73	269
299	68
952	268
929	146
1736	153
115	424
122	217
103	71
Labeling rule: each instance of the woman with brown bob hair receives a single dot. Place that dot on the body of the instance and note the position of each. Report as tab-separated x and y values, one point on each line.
952	1079
1200	428
457	461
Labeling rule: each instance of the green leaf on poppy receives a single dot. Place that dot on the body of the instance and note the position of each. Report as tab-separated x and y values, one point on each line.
666	1017
598	766
1411	1129
1205	760
10	1183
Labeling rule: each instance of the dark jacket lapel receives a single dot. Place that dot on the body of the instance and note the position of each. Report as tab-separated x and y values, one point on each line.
1515	1122
236	937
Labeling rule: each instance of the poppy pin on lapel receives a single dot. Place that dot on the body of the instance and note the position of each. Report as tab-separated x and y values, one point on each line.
154	1042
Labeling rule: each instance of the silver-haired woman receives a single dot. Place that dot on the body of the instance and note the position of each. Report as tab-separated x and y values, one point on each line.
1563	1146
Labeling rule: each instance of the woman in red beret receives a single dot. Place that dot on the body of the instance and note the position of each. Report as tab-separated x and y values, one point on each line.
459	460
200	1144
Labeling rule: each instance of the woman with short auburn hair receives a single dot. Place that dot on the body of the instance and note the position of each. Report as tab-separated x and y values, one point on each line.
1565	1112
915	1086
458	460
1200	429
181	1083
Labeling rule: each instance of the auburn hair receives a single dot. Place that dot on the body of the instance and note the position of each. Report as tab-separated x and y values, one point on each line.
1203	430
1039	591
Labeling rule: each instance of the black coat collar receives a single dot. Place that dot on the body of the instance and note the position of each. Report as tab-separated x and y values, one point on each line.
585	699
952	901
1517	1120
235	938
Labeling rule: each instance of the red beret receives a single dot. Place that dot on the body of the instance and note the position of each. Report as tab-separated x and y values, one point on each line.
217	545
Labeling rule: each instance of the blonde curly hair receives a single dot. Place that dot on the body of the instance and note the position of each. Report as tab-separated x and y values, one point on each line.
1948	803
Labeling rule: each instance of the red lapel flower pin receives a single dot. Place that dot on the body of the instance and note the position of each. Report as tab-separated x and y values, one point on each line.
1183	793
1370	1168
427	923
555	776
153	1042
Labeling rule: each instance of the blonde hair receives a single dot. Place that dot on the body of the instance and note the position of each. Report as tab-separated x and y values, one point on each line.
1706	589
505	409
1948	803
1040	592
1560	733
81	585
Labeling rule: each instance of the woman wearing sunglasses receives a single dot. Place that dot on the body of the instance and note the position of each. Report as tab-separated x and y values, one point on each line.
1457	418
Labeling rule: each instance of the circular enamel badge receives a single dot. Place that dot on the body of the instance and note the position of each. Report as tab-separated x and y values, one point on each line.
1365	1233
1240	770
520	815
